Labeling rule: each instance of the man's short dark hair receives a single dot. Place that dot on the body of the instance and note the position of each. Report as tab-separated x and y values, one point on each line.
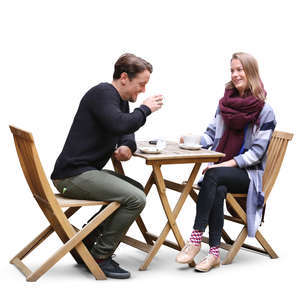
130	64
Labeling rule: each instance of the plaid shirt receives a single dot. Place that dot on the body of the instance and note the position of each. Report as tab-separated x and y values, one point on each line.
253	158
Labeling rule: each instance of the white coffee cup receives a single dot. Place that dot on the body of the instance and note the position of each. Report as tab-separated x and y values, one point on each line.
191	139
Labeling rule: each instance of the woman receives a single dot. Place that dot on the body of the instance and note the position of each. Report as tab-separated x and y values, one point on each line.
242	128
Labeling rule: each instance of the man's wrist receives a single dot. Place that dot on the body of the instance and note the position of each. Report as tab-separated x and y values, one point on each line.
130	144
145	109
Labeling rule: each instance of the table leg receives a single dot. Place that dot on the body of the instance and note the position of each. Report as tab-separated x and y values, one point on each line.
139	219
171	215
149	183
161	188
119	169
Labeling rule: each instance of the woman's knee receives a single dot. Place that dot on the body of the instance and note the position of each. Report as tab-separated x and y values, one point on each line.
221	175
214	172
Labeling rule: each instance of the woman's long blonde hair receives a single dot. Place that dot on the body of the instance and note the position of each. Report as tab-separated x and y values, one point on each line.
250	67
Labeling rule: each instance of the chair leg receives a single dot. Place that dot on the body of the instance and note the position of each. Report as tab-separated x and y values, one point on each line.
33	244
75	241
226	238
265	245
17	259
82	250
235	247
194	195
21	266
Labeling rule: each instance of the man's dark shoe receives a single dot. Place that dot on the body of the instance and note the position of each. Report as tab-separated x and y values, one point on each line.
112	269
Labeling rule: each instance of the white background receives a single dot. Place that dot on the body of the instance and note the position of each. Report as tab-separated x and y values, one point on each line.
52	52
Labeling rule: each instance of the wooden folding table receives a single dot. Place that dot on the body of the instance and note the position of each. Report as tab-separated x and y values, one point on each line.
172	154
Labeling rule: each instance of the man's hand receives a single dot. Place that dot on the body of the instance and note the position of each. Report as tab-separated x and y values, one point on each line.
154	102
123	153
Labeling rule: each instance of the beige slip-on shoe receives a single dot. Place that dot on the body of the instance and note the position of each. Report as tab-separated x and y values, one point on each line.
207	263
187	253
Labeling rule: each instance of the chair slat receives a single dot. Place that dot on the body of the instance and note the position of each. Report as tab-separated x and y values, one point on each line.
285	135
66	202
21	134
19	147
276	152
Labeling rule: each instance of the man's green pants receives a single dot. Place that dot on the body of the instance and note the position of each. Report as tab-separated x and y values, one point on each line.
105	185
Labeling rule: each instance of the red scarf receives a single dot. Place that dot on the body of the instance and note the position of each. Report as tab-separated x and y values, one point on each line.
237	112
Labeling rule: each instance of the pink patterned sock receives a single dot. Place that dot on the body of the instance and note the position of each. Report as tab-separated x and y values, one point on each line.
196	237
214	251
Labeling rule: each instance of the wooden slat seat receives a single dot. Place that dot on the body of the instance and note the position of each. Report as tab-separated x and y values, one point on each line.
67	202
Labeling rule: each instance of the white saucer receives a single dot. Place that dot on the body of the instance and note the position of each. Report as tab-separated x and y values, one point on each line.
190	147
150	150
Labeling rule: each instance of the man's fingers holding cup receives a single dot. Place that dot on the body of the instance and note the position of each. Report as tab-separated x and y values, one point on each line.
154	102
158	98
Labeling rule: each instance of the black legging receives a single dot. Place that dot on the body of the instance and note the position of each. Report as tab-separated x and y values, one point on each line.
216	183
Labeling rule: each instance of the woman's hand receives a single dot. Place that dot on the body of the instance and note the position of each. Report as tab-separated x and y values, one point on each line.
230	163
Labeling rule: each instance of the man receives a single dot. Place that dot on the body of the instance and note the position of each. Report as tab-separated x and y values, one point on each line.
102	127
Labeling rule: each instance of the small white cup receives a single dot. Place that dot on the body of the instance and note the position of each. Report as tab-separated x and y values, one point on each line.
191	139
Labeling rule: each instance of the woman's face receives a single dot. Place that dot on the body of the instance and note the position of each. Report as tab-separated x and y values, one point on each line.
238	76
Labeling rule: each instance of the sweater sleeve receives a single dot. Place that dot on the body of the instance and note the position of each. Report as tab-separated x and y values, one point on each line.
207	139
261	140
107	111
129	141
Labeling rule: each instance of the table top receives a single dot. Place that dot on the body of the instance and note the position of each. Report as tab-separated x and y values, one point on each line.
173	151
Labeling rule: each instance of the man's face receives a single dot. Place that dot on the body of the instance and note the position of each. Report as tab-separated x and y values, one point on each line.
135	86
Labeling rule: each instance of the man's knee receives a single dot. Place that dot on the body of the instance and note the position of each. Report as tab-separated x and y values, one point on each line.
136	199
141	200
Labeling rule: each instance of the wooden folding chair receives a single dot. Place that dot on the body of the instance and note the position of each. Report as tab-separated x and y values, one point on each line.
236	203
52	205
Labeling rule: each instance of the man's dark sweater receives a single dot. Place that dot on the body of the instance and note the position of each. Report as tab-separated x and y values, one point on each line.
101	123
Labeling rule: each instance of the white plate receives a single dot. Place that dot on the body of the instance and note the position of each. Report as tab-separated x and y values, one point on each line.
190	147
150	150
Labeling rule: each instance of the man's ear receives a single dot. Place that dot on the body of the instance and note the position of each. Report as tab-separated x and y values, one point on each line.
124	78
